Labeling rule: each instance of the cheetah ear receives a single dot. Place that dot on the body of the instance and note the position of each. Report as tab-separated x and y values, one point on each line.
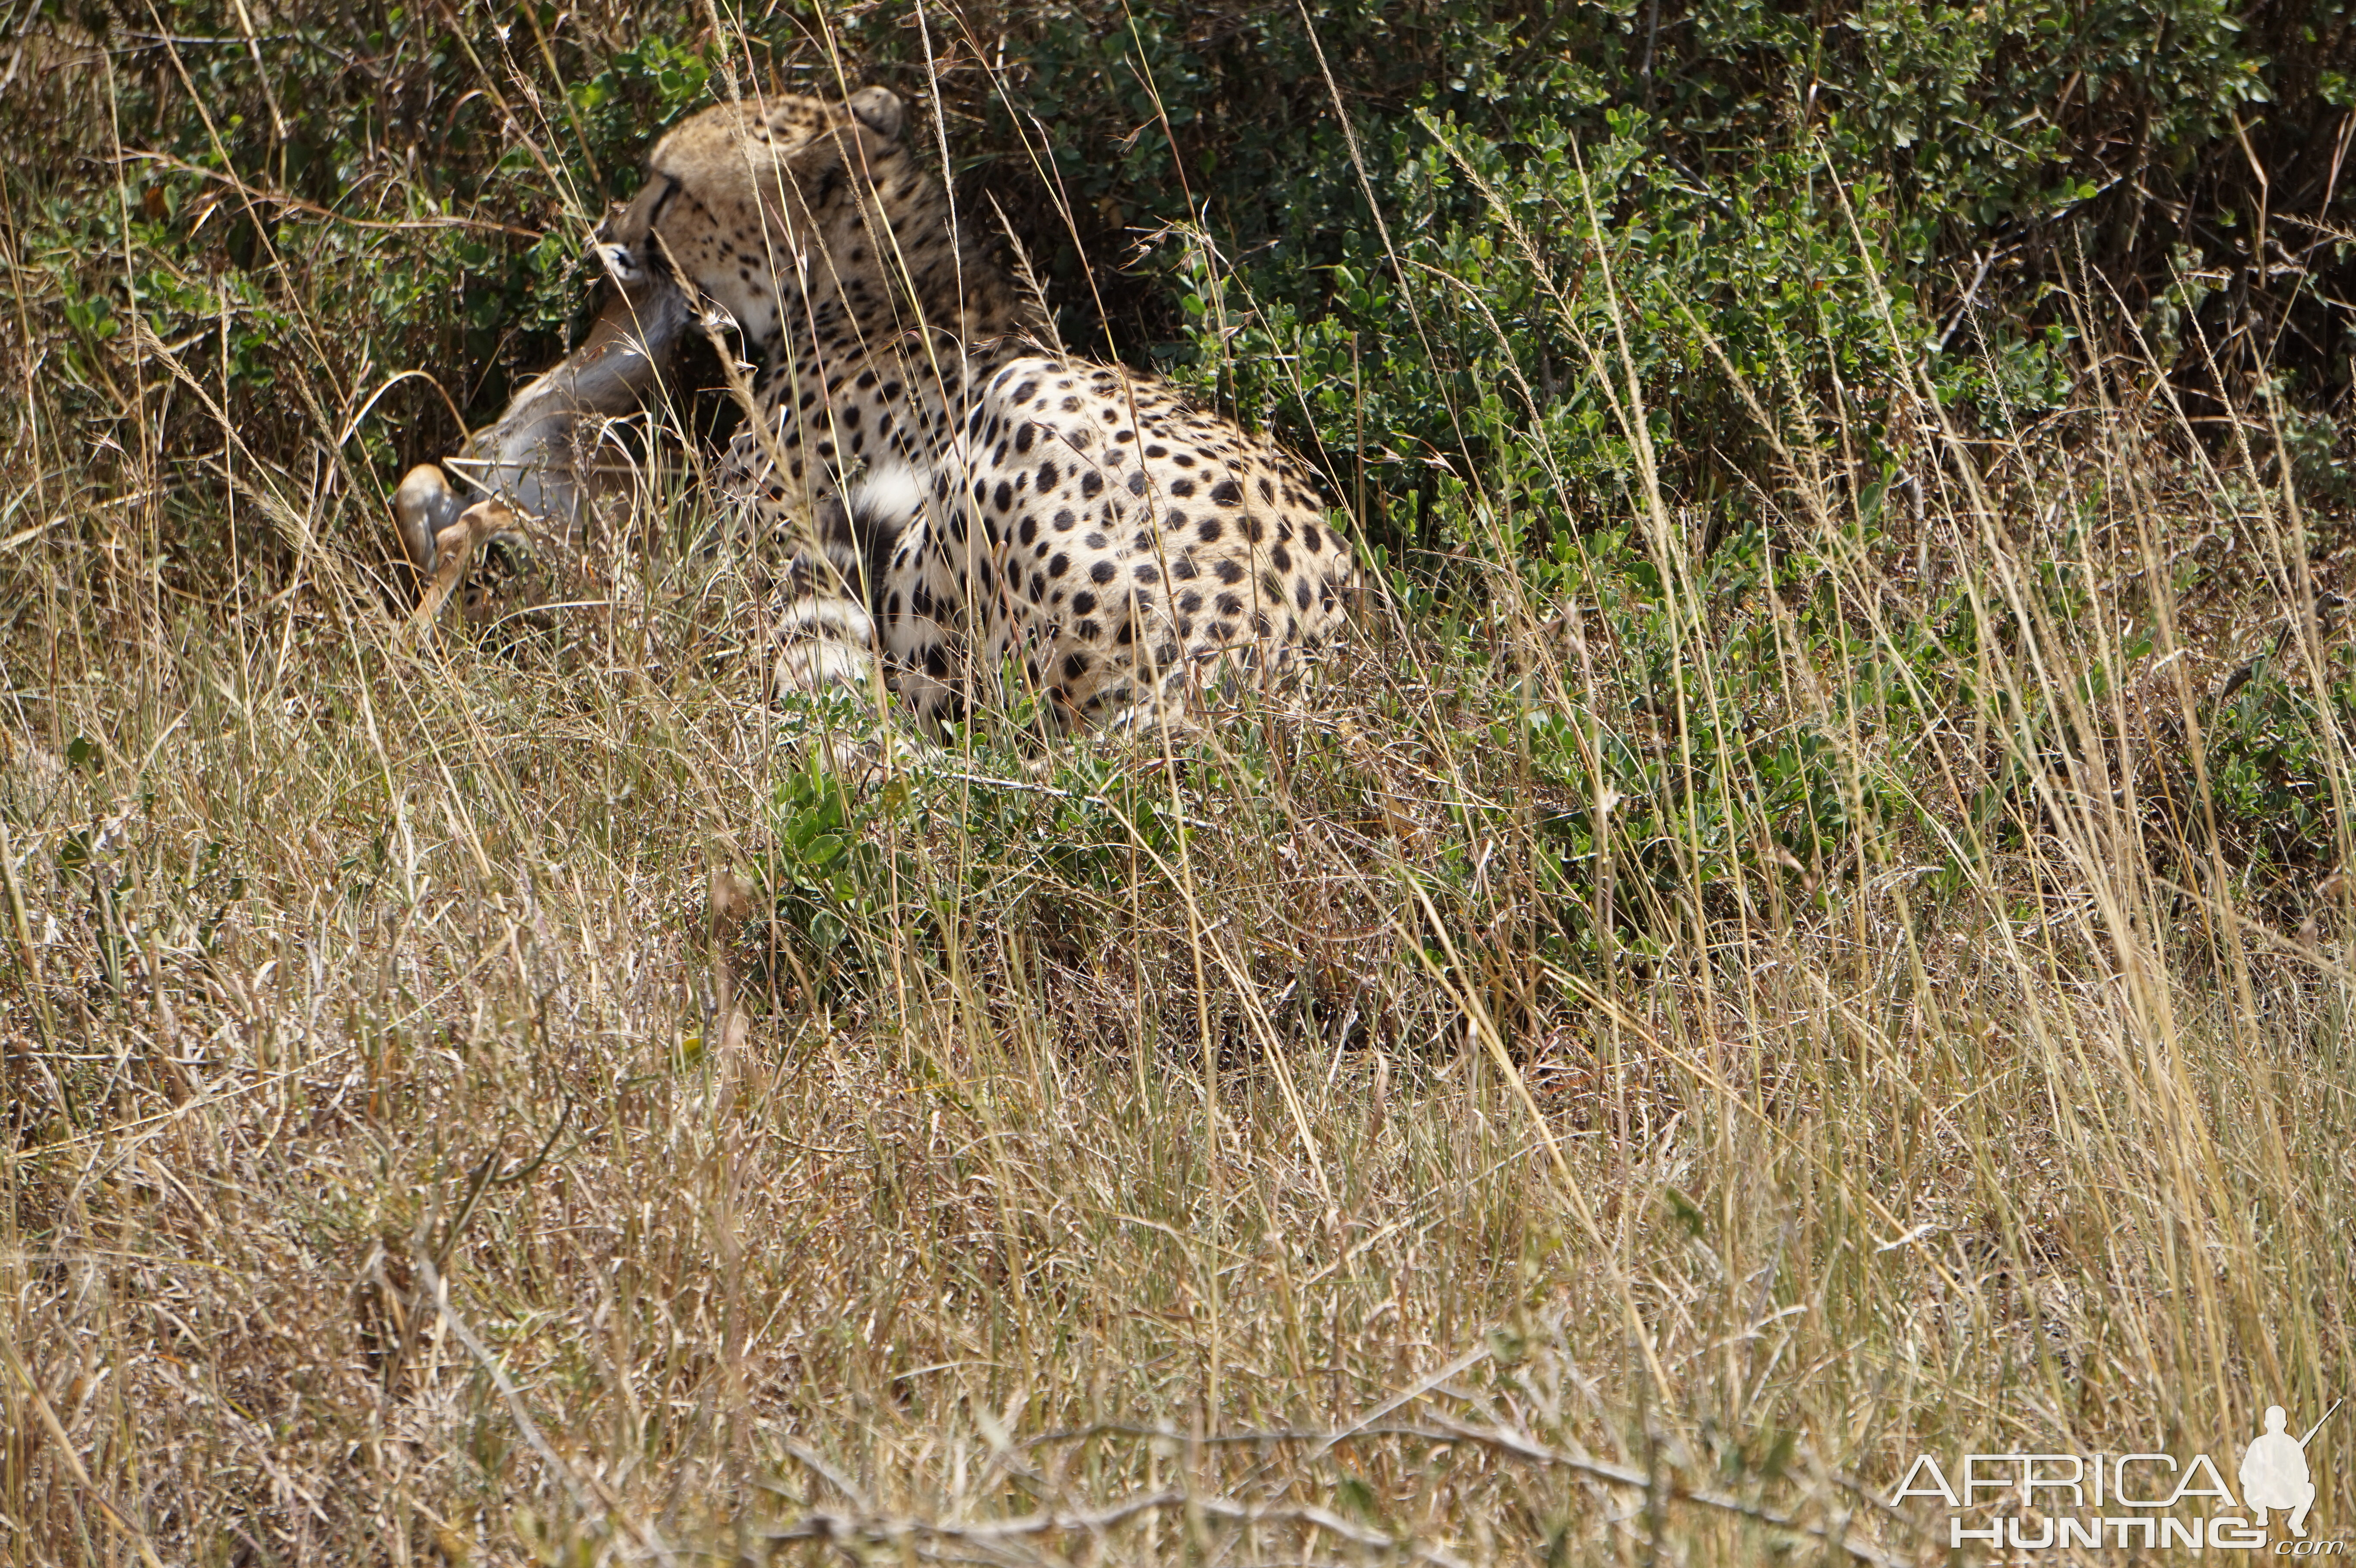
880	109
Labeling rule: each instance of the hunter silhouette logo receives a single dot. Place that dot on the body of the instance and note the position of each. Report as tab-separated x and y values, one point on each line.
2274	1474
2031	1502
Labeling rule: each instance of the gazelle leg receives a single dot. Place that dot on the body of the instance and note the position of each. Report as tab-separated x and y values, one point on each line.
453	553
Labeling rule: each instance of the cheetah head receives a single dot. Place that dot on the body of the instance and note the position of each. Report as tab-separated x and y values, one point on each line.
743	203
753	203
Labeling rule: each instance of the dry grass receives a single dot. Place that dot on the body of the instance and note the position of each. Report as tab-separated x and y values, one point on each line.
399	1167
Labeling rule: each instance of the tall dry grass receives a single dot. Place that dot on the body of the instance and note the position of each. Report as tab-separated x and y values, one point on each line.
412	1157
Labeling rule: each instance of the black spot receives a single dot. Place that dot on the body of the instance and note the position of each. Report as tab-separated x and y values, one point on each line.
851	417
1065	521
1029	531
1310	539
1190	602
937	662
1005	497
1059	565
1253	528
1091	484
1228	604
1175	522
1184	568
1208	530
1157	451
1182	488
1228	493
1282	557
1267	490
1025	392
1047	477
1083	602
1300	595
1095	541
1075	666
1137	483
1088	632
1023	437
1147	572
1103	572
1230	572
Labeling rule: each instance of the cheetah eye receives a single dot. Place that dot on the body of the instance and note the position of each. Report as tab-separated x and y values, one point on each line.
621	265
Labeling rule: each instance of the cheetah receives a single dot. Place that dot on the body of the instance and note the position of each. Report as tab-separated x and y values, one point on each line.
947	495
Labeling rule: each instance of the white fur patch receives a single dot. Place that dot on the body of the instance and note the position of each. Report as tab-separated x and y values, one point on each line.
814	667
826	617
824	640
890	493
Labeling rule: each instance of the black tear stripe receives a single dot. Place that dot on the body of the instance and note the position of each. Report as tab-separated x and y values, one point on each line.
670	188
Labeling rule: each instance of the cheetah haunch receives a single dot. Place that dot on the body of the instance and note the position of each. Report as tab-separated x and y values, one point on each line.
941	493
